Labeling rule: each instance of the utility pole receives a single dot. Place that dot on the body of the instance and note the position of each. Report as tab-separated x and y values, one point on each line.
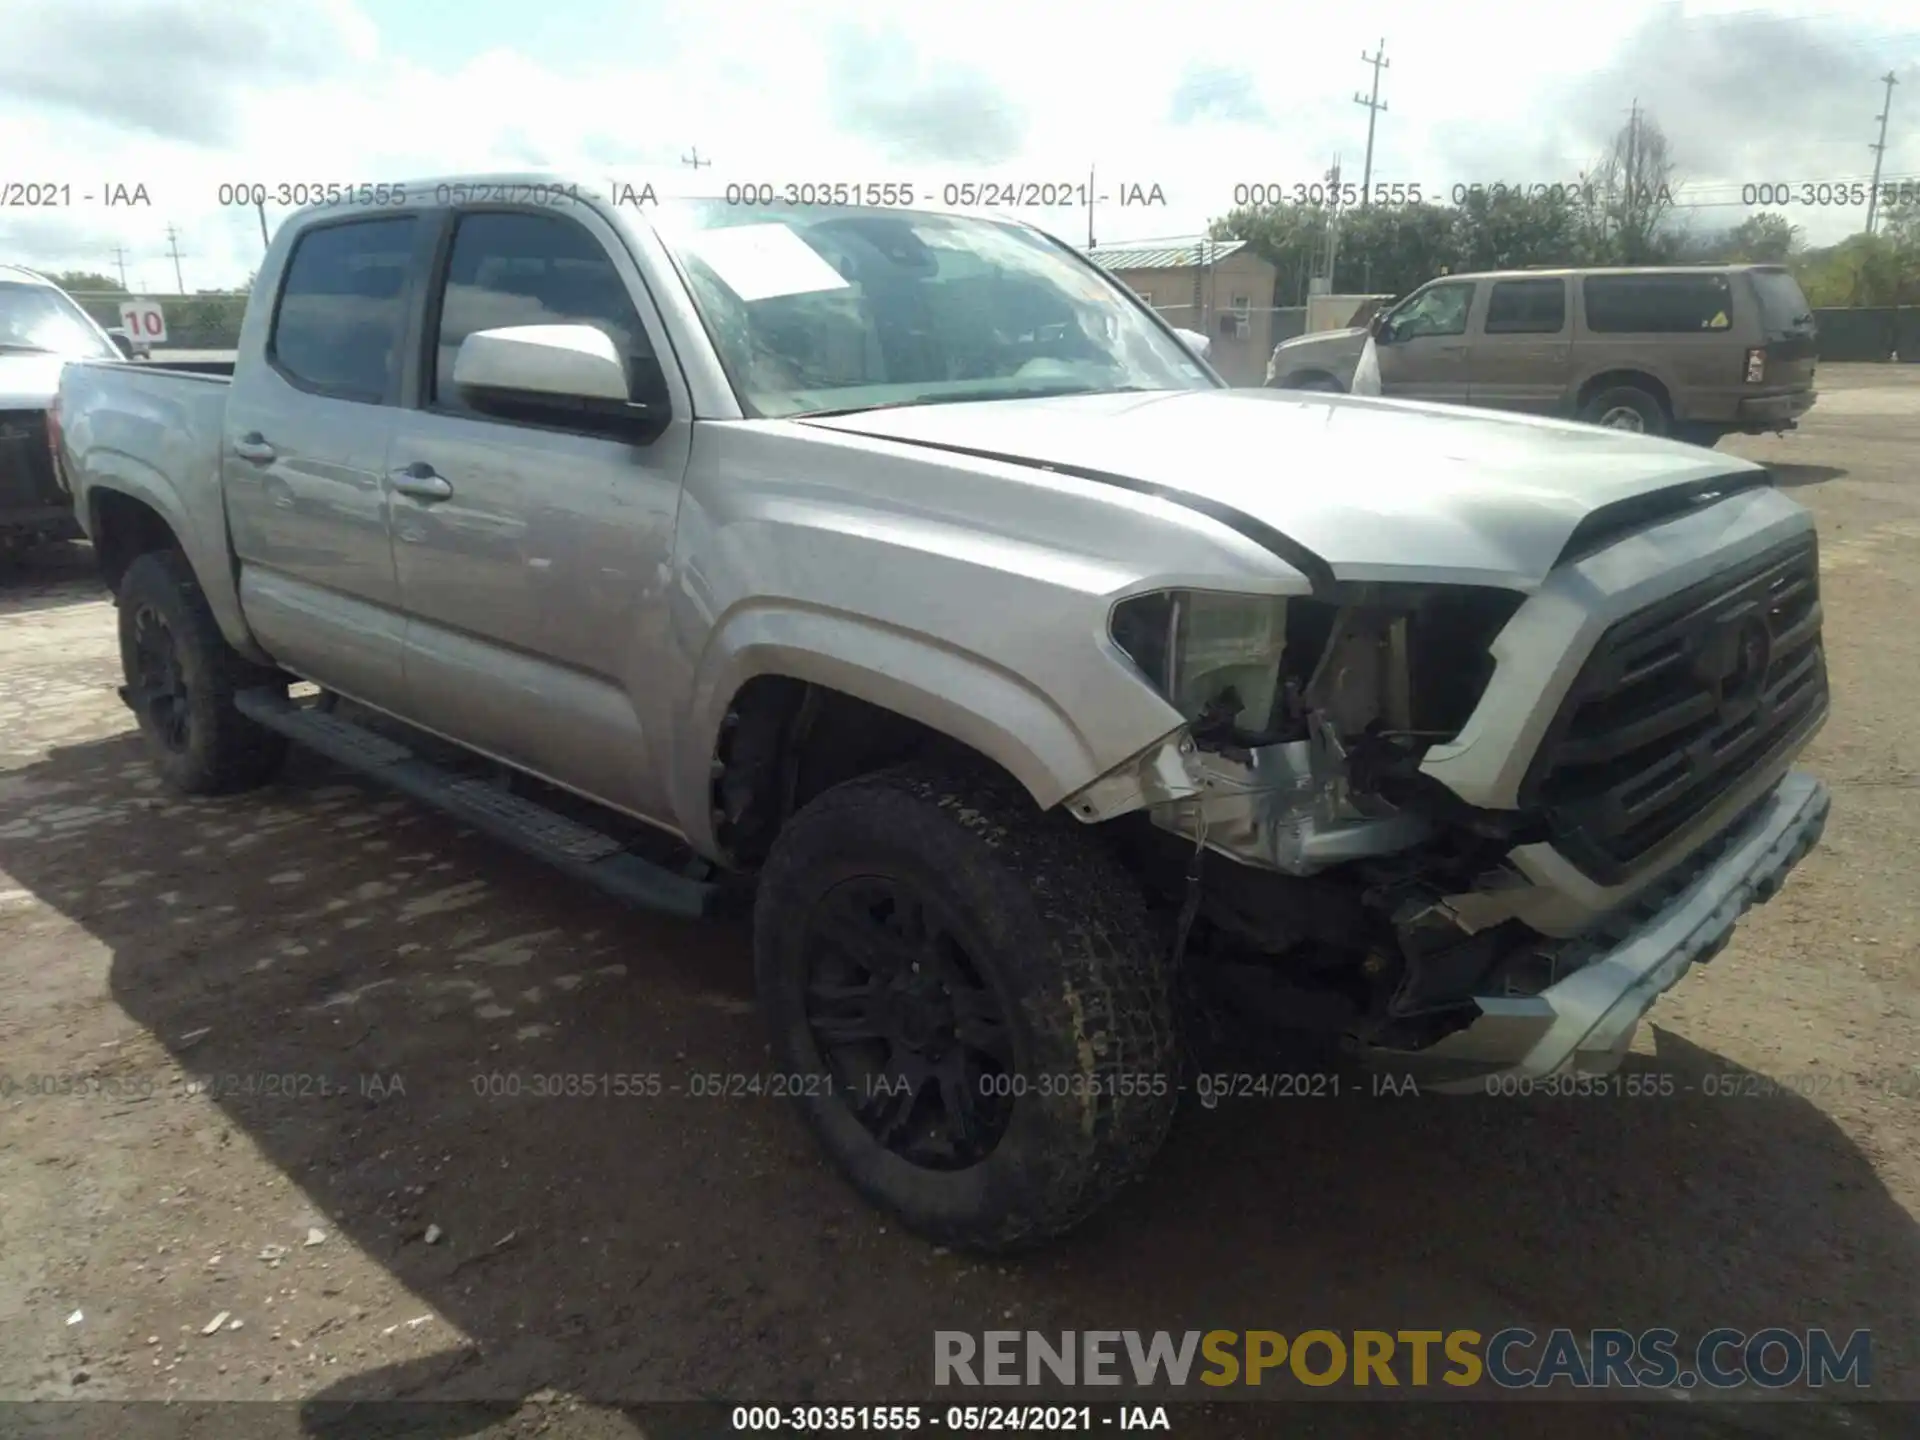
120	263
1333	221
1633	159
694	159
1374	106
173	248
1090	200
1880	148
261	206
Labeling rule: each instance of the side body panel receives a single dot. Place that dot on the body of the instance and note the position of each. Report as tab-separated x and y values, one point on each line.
154	436
971	595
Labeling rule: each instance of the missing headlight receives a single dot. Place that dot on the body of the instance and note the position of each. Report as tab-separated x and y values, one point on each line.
1406	661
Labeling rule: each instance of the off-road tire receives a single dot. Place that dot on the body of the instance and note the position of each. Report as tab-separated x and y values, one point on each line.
224	750
1061	933
1319	384
1653	415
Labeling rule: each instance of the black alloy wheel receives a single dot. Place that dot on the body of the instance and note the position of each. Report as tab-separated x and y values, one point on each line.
160	693
909	1028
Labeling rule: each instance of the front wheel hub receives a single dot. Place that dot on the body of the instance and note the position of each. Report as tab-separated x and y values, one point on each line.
908	1024
159	694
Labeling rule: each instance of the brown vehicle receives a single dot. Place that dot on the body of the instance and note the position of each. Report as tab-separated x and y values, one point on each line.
1695	352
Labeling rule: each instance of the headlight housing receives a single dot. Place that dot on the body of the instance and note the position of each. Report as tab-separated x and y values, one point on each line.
1402	661
1203	648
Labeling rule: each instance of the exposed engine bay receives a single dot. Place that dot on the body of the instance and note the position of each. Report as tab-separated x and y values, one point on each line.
1345	890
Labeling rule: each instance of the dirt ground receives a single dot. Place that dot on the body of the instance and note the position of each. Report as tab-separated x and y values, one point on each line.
287	1018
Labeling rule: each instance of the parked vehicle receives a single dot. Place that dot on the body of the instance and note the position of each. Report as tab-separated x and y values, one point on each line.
1696	353
40	330
1064	711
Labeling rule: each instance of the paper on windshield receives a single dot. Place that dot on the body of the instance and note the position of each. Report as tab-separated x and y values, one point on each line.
759	262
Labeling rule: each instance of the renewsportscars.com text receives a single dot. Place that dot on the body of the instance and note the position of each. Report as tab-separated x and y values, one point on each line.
1511	1359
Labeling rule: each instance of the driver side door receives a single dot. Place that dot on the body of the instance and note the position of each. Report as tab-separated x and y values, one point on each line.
533	546
1422	345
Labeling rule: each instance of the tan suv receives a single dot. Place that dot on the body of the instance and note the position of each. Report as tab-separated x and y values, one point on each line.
1695	352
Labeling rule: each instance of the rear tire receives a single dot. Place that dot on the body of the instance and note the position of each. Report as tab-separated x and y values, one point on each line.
1697	432
181	678
934	932
1628	408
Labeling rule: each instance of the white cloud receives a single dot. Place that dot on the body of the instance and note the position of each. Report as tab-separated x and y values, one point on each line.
185	95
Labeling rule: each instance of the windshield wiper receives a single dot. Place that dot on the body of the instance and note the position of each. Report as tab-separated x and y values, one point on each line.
22	345
1005	393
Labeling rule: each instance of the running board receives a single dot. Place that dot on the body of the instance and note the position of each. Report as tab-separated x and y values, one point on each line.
584	853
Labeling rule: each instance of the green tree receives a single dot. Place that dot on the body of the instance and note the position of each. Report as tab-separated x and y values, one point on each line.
87	282
1511	231
1764	239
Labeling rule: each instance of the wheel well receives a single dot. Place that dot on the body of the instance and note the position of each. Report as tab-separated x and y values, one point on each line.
783	741
1638	379
123	530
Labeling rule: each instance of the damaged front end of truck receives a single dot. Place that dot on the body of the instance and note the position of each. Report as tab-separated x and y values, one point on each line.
1475	832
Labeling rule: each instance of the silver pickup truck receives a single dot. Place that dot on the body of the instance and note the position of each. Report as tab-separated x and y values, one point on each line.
1065	713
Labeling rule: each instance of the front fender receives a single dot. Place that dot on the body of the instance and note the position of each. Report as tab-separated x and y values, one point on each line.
963	696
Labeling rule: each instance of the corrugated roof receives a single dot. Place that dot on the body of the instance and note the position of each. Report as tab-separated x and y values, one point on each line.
1163	254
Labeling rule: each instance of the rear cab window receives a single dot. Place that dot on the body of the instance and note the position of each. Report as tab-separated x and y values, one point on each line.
1659	304
342	308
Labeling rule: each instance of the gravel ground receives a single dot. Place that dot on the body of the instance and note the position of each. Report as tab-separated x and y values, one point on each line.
293	1020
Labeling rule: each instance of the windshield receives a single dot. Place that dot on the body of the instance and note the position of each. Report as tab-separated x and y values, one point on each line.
840	309
40	318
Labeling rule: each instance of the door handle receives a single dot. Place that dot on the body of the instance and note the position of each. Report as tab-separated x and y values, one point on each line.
253	446
420	481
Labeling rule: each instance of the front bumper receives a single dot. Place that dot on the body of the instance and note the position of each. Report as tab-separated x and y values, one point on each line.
1584	1023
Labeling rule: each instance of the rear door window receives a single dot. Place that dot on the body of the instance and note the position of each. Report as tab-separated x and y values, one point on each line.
1783	308
1658	304
1527	307
343	306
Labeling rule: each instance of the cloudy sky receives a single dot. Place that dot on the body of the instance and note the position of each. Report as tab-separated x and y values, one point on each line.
183	95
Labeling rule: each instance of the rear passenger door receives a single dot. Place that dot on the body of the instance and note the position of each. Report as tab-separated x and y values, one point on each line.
1520	357
535	582
303	456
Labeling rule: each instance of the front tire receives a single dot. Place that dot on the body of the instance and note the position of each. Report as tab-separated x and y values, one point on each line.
181	678
969	999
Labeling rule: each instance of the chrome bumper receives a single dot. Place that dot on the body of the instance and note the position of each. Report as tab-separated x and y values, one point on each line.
1584	1023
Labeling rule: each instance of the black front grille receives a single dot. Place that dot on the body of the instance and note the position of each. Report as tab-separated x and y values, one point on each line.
26	465
1677	705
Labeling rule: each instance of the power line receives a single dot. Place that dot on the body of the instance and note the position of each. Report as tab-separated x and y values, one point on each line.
1374	106
1880	148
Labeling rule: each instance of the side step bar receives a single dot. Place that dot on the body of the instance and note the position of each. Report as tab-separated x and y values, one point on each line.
581	852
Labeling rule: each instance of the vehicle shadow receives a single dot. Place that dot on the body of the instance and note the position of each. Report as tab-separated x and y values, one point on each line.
684	1241
48	577
1792	477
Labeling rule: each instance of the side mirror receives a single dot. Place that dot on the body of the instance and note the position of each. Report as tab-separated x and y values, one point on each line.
1377	326
557	362
1201	345
122	342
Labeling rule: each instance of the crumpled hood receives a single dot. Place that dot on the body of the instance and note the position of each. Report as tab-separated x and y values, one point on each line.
29	382
1375	489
